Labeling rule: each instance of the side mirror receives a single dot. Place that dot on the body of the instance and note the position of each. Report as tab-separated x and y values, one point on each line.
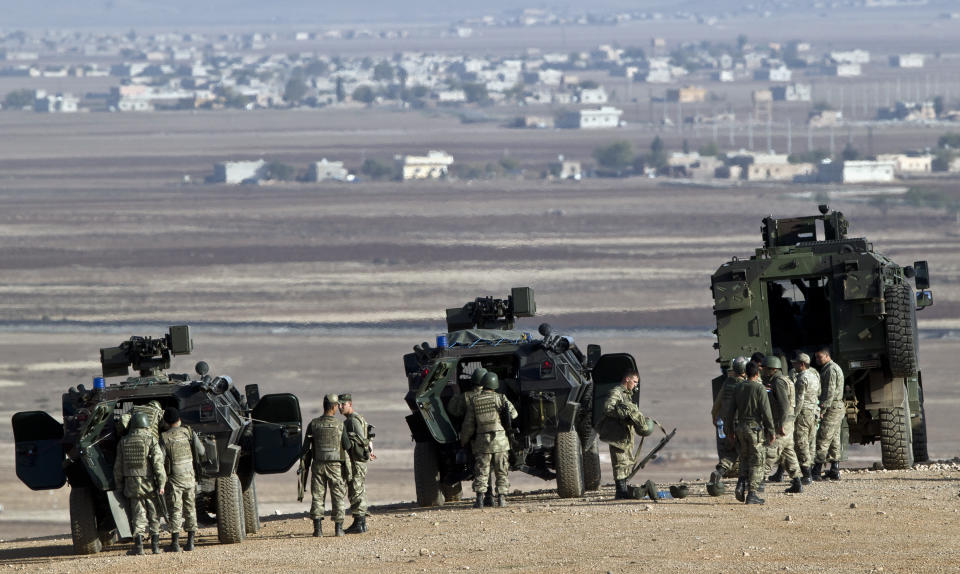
593	355
924	299
921	275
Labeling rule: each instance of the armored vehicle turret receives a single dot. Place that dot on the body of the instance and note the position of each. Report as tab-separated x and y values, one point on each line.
812	286
557	390
243	434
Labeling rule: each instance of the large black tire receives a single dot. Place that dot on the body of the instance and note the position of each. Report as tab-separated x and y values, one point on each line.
591	465
426	474
568	458
896	450
251	512
920	453
83	522
231	527
899	325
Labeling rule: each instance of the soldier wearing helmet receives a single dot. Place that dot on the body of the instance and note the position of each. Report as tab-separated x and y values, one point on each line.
622	421
457	409
182	449
139	474
327	442
783	397
754	428
808	409
727	452
483	429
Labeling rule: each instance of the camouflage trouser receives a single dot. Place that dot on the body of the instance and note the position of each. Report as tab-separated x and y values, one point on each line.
752	453
805	436
356	478
782	452
727	451
828	437
481	471
326	474
143	515
622	462
182	505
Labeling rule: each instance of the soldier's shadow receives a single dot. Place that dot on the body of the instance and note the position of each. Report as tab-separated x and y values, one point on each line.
36	554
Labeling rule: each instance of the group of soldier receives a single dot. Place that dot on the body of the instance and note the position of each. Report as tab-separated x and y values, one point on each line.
338	451
149	465
767	418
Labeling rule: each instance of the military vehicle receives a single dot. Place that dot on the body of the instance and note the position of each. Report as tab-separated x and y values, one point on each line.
811	286
557	389
243	434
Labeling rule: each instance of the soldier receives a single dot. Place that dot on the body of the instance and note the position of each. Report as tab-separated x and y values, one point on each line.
138	473
359	453
490	445
154	416
457	409
808	408
751	409
623	413
328	442
182	448
757	358
831	417
727	452
783	405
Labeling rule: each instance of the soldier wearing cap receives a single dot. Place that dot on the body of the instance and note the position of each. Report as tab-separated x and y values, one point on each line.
139	474
182	448
328	442
783	404
355	467
624	419
808	409
727	452
490	444
832	411
751	409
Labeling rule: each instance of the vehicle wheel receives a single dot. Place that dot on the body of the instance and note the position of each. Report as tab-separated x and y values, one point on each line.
920	434
230	523
426	475
569	462
896	451
251	513
83	522
899	326
591	465
452	493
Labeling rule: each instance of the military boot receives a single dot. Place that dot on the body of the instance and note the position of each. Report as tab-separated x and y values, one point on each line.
317	530
621	490
752	498
762	487
741	487
363	524
805	472
834	472
488	499
155	543
795	487
174	542
501	500
355	527
479	502
137	549
338	529
776	476
816	471
191	539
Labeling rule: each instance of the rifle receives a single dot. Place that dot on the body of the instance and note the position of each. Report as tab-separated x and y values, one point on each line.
653	452
303	472
162	505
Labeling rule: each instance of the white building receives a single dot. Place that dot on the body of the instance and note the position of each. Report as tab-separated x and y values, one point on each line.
909	164
604	117
907	61
238	171
434	165
850	57
863	171
59	103
792	93
596	96
780	74
842	70
324	170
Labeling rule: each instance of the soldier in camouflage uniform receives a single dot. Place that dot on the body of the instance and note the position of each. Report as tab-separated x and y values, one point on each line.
783	405
328	442
726	451
182	448
621	413
751	409
358	455
490	444
808	407
457	409
832	411
138	473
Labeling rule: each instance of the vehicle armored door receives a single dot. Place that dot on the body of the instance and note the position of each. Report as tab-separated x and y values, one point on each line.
277	433
607	374
97	434
430	405
39	450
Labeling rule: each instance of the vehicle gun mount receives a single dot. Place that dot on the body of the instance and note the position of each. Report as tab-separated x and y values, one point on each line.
490	313
147	355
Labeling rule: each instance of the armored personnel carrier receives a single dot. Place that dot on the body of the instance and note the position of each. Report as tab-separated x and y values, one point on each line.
811	286
557	389
243	434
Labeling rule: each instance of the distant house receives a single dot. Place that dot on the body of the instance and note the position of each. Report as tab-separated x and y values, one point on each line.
909	112
604	117
723	76
59	103
762	170
434	165
566	169
864	171
451	97
779	74
842	70
825	118
538	122
905	164
234	172
324	170
792	93
850	56
687	94
594	96
907	61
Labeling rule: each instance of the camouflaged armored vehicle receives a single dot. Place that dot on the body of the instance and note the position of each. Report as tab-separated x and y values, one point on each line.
812	286
243	434
557	390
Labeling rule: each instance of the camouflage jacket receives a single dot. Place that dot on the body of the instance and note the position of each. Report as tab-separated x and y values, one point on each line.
355	428
327	440
751	408
808	390
482	423
831	386
457	407
783	404
181	447
620	410
138	468
724	396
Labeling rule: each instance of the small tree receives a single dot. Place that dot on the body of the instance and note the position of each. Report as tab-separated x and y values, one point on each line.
383	72
658	154
295	90
709	149
341	92
19	99
278	171
942	160
376	169
363	94
949	140
476	92
589	85
618	155
938	106
849	152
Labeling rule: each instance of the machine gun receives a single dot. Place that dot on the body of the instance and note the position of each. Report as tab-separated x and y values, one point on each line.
147	355
490	313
